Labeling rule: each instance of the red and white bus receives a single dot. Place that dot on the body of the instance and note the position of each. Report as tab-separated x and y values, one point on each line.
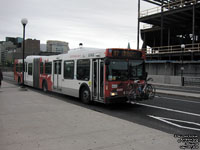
90	74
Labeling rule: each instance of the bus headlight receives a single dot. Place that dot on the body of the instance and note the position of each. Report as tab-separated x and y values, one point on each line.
113	93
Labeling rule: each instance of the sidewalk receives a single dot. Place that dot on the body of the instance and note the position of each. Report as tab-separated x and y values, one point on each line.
178	90
186	94
31	120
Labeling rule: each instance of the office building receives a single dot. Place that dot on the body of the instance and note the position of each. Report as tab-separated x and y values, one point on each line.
57	46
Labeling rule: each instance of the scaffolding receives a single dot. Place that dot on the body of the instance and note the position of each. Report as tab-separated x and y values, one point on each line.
170	24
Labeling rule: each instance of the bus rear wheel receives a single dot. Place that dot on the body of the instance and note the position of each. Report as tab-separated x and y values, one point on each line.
44	87
85	95
19	80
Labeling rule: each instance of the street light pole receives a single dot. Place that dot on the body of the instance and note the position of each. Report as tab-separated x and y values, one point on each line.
24	21
182	68
138	26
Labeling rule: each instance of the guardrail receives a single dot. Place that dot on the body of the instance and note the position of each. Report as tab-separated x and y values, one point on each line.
192	81
167	7
147	26
174	49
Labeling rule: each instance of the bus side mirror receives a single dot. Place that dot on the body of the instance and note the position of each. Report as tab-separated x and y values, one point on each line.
107	61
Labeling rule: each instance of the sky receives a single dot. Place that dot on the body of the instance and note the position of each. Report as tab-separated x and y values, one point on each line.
95	23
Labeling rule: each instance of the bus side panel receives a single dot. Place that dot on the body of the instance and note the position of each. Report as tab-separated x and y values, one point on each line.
71	87
36	64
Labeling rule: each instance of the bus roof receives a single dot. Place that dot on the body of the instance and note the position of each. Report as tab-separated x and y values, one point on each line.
78	53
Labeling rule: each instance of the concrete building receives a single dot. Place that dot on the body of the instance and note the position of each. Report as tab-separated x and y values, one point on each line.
0	50
5	49
171	38
16	41
8	47
43	47
32	47
57	46
12	49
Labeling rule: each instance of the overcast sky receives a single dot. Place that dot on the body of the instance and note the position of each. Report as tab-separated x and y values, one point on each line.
95	23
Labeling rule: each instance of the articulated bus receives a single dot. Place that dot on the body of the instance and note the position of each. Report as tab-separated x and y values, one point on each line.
100	75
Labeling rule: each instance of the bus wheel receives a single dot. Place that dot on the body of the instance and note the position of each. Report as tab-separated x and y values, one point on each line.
19	81
85	95
44	87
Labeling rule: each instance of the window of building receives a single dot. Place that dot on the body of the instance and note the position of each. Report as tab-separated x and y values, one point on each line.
69	69
30	69
48	68
83	69
41	68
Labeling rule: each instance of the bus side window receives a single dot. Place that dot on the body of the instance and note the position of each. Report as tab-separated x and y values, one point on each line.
21	67
17	68
41	68
48	68
69	69
30	69
25	67
83	69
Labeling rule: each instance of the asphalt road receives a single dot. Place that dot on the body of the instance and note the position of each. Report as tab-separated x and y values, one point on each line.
169	113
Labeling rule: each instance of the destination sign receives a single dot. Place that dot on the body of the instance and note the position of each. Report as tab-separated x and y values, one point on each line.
127	54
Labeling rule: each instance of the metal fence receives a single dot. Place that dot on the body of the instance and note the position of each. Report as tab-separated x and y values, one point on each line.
169	6
192	81
174	49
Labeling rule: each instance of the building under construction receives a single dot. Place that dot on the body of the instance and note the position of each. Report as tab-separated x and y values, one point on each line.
167	26
171	37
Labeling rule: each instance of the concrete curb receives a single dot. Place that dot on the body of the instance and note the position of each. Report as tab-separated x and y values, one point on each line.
185	94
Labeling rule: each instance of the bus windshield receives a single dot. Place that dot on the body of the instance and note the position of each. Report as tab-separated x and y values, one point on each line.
117	70
136	69
122	70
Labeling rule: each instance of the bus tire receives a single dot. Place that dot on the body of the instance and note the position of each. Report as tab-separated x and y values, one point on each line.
44	86
85	95
19	81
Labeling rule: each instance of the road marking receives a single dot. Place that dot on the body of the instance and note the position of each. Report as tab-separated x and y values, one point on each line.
177	99
167	120
169	109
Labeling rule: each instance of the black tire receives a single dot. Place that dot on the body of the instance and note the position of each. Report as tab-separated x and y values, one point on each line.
85	95
44	87
19	81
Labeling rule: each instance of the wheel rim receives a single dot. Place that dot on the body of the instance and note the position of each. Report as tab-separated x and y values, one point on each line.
85	95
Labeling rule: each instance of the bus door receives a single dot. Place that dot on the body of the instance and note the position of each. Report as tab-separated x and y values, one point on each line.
57	74
36	63
98	80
